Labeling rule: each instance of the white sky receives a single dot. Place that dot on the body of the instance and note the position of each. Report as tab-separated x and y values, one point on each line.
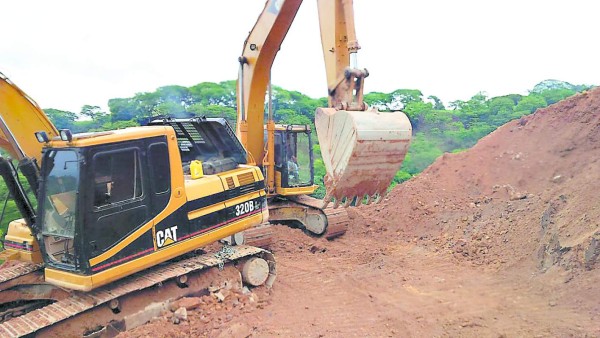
66	54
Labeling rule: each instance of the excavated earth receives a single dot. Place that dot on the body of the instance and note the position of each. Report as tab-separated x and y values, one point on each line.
502	240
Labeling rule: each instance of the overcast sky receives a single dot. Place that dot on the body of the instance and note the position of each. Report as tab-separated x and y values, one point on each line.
66	54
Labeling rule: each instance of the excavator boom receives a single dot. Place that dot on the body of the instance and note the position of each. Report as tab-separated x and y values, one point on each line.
20	118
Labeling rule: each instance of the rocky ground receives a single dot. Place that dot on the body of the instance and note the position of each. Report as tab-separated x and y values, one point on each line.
502	240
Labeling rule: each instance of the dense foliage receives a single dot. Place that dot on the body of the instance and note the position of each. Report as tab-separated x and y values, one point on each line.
436	128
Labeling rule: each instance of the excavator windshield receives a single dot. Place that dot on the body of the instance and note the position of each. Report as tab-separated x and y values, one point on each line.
59	199
59	195
299	161
293	155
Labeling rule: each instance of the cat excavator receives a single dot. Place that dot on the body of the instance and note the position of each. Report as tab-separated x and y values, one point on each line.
123	219
118	223
362	148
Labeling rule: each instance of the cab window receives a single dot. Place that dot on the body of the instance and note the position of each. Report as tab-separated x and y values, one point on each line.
117	177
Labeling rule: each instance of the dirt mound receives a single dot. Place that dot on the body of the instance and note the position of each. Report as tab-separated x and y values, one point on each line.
526	192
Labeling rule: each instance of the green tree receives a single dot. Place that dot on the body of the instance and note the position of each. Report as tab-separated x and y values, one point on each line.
501	105
123	109
422	153
530	103
402	97
552	96
61	119
456	105
382	101
178	95
209	93
437	103
91	111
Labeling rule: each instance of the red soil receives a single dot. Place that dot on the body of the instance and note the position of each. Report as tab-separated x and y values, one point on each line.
500	240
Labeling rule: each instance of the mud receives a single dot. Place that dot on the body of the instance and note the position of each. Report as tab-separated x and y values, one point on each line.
502	240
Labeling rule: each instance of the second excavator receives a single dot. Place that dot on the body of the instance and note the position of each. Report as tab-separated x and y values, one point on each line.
362	148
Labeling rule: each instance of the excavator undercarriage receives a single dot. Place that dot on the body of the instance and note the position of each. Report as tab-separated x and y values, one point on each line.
30	307
305	212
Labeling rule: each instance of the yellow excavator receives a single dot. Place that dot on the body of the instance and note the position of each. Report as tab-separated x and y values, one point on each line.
362	148
124	217
111	207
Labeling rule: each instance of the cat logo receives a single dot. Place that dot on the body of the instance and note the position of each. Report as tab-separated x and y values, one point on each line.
166	237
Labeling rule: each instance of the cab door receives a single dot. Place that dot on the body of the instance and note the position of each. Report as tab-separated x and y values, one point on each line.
119	202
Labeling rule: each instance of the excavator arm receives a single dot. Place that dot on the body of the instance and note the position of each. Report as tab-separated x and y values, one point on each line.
340	51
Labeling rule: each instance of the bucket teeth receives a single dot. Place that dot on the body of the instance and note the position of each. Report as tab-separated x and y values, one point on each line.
336	203
346	202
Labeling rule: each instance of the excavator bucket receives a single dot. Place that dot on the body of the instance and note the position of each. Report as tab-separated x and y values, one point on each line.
362	151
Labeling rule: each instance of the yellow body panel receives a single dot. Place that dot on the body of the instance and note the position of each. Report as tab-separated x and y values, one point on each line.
220	206
68	280
113	136
203	187
20	244
86	283
297	190
257	174
292	191
209	185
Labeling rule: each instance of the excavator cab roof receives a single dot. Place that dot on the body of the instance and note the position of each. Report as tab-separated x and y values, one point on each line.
204	139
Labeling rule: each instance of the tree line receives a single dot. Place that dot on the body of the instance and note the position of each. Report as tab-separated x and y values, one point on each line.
437	128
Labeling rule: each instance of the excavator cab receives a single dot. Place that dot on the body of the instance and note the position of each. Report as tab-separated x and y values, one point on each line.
293	159
92	197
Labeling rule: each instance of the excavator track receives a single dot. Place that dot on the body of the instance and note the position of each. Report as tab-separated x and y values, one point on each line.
329	222
260	236
337	220
117	303
18	272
